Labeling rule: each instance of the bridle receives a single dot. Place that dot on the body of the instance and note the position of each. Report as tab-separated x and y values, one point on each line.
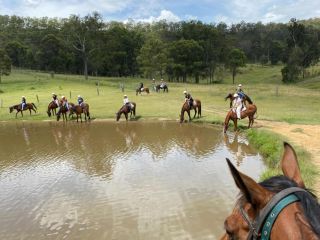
261	227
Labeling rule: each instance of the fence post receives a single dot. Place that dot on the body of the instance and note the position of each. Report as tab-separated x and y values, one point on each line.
70	95
37	98
98	92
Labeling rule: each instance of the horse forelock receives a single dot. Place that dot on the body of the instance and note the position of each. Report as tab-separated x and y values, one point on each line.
308	201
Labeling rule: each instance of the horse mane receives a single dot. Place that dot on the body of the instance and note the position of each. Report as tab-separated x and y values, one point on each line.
308	201
249	99
228	96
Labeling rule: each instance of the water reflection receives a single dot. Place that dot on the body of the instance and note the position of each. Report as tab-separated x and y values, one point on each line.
117	181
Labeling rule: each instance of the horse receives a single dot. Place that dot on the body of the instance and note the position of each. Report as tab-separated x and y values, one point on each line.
165	88
63	110
186	108
277	208
245	99
250	112
18	107
126	110
78	110
52	108
138	90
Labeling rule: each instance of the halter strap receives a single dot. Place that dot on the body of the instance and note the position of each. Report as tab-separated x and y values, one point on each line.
257	224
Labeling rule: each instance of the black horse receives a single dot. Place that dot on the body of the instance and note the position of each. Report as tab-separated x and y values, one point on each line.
164	87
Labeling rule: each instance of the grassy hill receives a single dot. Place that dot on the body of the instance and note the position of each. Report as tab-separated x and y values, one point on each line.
296	103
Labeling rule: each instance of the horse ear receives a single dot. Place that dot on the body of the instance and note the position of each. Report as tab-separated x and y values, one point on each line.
290	165
253	192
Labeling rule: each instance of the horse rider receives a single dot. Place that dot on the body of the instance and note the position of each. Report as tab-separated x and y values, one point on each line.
126	102
240	92
55	99
80	100
141	86
237	105
188	98
64	102
154	84
23	102
162	84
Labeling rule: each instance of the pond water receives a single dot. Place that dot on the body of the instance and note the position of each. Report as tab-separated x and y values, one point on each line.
105	180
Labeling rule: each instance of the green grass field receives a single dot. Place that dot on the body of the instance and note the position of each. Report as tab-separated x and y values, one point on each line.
275	101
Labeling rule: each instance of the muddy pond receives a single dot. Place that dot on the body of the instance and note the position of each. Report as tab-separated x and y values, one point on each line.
105	180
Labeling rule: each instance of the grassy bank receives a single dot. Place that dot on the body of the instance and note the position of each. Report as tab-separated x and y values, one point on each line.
270	145
275	101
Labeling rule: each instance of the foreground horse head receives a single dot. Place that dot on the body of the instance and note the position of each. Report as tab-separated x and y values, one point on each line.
277	208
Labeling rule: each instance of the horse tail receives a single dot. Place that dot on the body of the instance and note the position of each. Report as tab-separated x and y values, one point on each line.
255	115
249	99
34	105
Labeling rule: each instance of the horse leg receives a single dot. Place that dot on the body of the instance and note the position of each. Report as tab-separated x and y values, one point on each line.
21	113
126	115
195	112
80	117
30	111
189	115
235	122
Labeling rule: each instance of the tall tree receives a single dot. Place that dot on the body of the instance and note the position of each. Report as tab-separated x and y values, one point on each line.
5	64
237	59
82	33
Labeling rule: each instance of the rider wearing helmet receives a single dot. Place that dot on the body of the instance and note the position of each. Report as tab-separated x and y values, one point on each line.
188	98
55	99
23	102
80	100
240	91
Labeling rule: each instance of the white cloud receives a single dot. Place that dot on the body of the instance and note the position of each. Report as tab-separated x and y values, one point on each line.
164	15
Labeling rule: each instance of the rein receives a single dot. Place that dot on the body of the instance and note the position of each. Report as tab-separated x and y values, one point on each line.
261	227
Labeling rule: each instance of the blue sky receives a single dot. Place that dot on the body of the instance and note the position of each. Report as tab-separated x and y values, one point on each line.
229	11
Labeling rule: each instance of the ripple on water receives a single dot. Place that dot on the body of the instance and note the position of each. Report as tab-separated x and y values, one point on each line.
118	181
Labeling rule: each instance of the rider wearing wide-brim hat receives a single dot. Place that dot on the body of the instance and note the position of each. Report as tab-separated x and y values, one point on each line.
237	105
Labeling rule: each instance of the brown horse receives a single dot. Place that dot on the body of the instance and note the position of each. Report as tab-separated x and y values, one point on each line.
18	107
138	90
52	108
186	108
63	110
78	110
126	110
232	115
245	99
277	208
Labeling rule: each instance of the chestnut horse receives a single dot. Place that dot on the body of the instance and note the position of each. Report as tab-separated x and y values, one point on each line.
18	107
186	108
277	208
232	115
64	110
138	90
52	108
126	110
78	110
245	99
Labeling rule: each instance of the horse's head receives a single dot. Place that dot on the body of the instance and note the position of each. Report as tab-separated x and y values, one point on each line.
228	96
58	117
11	109
256	197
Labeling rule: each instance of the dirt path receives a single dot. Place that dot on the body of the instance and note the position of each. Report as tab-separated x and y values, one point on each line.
305	136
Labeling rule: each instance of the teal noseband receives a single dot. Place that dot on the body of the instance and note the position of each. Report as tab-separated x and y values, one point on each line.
266	230
261	226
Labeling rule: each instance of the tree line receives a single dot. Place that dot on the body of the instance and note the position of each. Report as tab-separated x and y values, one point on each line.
182	51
